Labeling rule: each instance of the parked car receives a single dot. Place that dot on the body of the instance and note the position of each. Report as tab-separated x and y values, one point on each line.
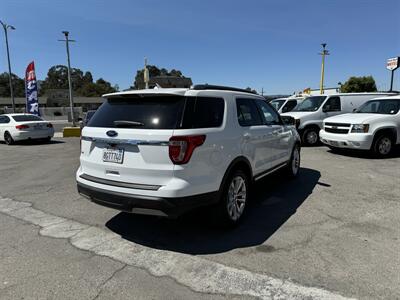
18	127
283	105
86	118
374	126
311	112
166	151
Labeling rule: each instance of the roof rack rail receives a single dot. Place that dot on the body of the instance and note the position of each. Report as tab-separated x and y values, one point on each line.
199	87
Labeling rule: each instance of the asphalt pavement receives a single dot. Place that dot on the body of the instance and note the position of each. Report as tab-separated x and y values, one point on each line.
331	233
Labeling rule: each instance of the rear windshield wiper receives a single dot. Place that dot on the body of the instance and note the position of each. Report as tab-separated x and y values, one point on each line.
121	123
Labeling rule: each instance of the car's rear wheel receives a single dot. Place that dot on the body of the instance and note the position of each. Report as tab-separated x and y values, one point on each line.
293	166
310	136
383	145
8	138
234	197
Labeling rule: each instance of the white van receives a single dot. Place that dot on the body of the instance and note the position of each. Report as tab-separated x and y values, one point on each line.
311	112
283	105
374	126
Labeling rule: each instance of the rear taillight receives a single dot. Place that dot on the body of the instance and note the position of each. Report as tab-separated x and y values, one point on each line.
50	125
21	127
181	147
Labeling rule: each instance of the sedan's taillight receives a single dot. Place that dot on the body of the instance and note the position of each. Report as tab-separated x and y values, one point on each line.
181	147
20	127
50	125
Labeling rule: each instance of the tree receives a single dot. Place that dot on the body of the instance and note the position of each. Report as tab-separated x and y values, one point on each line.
359	84
18	85
82	83
154	71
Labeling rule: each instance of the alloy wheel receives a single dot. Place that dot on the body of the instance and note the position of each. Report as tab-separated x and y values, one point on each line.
312	137
237	195
384	146
295	161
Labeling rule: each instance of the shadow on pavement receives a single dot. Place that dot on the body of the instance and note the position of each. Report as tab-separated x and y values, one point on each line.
35	142
275	199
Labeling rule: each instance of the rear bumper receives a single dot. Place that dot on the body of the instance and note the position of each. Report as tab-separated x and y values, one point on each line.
37	134
361	141
147	205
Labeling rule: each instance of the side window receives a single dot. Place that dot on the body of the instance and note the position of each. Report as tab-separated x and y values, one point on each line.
289	106
4	120
203	112
332	104
247	112
270	116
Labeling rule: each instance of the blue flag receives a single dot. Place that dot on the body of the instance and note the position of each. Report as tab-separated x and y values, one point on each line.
32	102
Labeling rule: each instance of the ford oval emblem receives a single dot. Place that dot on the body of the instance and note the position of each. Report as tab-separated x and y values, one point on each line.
112	133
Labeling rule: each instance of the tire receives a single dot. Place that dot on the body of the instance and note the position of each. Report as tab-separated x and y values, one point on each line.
8	138
233	203
310	136
382	145
293	167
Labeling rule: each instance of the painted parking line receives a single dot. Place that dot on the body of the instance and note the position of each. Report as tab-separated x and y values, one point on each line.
198	274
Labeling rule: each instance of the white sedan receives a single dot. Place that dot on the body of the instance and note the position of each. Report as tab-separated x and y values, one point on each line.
18	127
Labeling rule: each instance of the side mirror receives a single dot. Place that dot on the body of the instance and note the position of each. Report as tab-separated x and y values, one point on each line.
288	120
354	110
284	109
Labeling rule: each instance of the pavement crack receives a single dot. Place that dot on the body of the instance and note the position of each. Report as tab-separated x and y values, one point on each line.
101	287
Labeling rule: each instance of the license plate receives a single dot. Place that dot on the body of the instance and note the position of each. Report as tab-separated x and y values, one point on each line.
113	155
37	126
334	143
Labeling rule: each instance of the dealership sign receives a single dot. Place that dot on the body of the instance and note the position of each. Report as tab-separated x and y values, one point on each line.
393	63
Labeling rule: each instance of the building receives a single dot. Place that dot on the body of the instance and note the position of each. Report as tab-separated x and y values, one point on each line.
166	82
55	104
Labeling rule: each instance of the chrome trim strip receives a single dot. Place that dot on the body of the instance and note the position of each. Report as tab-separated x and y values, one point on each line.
137	186
125	141
259	176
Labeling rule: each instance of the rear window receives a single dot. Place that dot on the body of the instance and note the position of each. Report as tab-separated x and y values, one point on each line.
159	112
26	118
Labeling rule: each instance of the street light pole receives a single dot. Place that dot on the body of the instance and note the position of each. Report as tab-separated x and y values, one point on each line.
71	100
323	53
5	27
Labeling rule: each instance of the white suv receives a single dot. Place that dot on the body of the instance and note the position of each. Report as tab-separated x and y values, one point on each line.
374	126
166	151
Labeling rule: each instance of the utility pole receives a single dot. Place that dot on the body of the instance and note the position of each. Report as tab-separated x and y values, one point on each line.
146	74
323	53
6	27
71	100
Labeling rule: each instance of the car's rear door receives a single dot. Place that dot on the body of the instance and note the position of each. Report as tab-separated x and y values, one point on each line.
257	138
127	139
281	135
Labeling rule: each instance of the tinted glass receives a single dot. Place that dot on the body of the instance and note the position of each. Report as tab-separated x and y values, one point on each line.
390	107
310	103
333	104
289	106
26	118
247	112
203	112
150	112
270	116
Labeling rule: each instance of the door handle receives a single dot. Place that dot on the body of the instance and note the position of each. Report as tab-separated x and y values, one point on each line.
247	136
275	132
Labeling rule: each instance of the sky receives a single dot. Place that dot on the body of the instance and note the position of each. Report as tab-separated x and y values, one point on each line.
266	44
